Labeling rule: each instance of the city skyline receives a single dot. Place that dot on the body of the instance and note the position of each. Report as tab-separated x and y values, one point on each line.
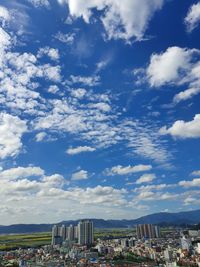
99	114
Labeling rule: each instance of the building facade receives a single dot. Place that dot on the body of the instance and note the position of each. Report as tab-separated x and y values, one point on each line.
147	231
85	232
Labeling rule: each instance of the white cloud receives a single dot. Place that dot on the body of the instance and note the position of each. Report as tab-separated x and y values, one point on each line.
20	173
52	53
55	180
120	170
51	73
80	175
53	89
145	141
103	63
196	173
89	116
182	129
18	74
156	187
102	106
192	19
88	81
40	136
12	129
4	44
4	15
168	66
78	93
176	66
79	149
146	178
98	195
65	38
191	201
187	94
121	19
194	183
40	3
152	196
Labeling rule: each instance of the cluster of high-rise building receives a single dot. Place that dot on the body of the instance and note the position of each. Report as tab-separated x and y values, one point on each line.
74	246
83	233
147	231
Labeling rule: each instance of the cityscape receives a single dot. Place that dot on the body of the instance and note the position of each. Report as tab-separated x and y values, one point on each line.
99	133
144	245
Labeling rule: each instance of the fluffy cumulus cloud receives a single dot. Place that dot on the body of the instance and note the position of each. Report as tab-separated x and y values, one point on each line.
80	175
120	170
121	19
192	19
196	173
52	53
146	178
36	191
182	129
40	136
12	129
156	187
194	183
176	66
4	15
21	172
79	149
154	196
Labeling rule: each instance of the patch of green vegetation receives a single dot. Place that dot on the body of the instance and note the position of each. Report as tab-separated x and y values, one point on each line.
8	242
113	233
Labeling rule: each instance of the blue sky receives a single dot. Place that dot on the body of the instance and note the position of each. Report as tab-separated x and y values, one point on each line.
99	113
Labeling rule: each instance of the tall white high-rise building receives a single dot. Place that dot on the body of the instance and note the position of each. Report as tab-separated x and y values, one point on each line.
147	231
63	232
71	232
56	238
85	232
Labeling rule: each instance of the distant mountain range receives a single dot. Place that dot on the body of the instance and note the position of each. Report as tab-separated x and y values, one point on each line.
162	218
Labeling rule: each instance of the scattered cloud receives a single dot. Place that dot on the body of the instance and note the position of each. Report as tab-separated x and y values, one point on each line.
12	129
169	66
121	20
152	196
40	3
67	38
40	136
182	129
79	149
87	81
53	89
120	170
80	175
156	187
176	66
52	53
196	173
192	19
78	93
4	15
191	201
21	172
194	183
146	178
